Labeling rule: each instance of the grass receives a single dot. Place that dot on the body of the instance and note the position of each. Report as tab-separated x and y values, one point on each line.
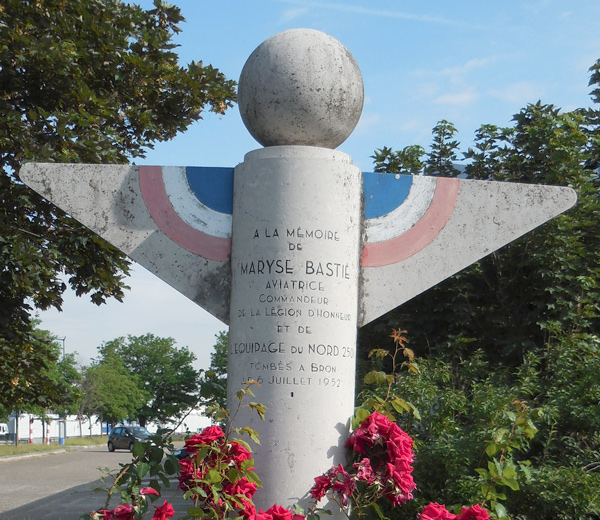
25	448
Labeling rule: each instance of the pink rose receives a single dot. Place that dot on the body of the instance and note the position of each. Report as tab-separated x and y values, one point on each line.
277	512
188	472
149	491
382	440
239	453
345	485
261	515
244	491
473	513
402	480
121	512
364	471
322	485
209	434
436	511
242	487
164	512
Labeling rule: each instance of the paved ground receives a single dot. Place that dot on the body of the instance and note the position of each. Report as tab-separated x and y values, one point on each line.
58	486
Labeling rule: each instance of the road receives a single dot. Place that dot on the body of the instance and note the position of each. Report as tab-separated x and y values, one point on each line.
59	486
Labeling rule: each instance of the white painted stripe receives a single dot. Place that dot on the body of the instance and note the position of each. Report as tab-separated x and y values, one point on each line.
406	215
189	208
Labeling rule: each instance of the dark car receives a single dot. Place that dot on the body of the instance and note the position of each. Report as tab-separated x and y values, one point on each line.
181	454
124	437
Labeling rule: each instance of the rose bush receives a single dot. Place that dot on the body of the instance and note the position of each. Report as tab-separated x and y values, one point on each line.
218	477
383	471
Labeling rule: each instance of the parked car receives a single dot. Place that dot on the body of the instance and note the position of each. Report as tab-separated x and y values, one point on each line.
181	454
124	437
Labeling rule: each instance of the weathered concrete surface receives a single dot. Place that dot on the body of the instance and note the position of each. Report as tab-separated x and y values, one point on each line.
108	199
301	87
295	265
425	242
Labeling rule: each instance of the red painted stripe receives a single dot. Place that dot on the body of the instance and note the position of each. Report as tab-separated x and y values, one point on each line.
166	218
419	236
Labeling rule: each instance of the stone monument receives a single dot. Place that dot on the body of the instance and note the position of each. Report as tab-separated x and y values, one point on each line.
296	248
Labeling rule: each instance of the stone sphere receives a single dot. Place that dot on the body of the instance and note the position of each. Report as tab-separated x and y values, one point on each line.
301	87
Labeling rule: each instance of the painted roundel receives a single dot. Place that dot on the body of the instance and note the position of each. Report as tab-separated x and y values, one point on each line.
192	206
404	214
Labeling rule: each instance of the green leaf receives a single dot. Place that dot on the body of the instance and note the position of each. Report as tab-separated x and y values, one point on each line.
142	469
500	511
377	509
509	471
247	464
510	482
195	512
139	449
253	477
171	465
156	455
214	477
360	415
491	449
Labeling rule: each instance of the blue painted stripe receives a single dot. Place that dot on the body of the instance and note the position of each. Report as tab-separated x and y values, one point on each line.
384	192
212	186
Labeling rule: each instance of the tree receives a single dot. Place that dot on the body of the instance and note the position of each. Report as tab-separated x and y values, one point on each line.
216	376
406	161
91	81
111	392
440	160
507	303
163	371
37	380
67	378
508	349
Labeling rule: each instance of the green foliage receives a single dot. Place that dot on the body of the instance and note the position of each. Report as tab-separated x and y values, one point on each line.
163	371
506	303
211	473
406	161
507	350
215	385
440	160
509	438
89	81
32	376
111	391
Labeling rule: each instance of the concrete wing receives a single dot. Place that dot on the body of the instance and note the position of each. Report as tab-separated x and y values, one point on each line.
439	226
141	211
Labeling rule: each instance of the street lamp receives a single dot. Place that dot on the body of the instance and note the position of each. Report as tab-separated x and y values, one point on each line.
63	342
62	423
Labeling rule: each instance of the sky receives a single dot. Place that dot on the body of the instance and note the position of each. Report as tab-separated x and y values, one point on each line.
468	62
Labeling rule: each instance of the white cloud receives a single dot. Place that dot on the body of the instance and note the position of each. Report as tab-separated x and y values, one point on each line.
463	98
458	73
290	15
382	13
519	93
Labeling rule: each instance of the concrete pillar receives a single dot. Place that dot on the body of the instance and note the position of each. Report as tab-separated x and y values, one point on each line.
295	273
